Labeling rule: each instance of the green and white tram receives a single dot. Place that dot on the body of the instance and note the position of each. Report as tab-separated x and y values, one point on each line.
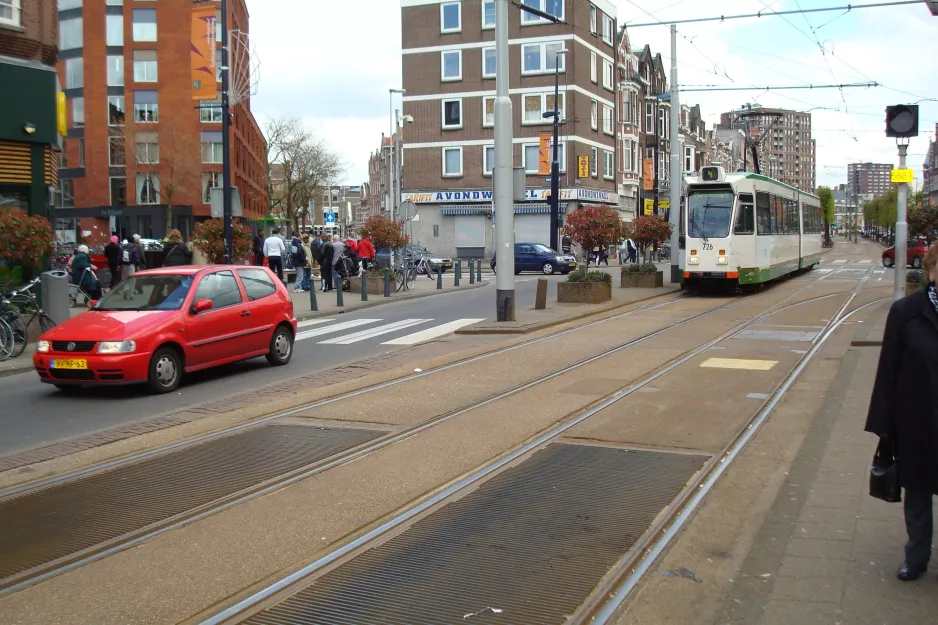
744	229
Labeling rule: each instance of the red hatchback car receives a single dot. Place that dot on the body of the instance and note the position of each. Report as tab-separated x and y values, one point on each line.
915	254
160	323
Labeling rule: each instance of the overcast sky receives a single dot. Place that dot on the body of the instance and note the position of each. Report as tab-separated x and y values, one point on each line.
332	64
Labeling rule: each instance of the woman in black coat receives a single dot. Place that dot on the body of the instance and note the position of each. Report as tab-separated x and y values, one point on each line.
904	410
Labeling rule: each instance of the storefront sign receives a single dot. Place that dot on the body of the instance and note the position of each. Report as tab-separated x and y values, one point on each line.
111	212
663	205
534	195
583	166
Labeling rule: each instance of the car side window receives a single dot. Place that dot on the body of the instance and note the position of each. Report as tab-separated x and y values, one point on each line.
257	283
220	287
526	249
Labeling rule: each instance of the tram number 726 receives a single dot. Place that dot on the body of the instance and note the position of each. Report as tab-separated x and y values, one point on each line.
708	247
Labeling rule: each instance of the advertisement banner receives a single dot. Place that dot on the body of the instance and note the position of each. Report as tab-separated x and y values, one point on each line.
648	176
202	54
543	161
583	167
663	205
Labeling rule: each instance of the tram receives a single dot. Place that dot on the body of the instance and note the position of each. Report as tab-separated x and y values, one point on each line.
744	229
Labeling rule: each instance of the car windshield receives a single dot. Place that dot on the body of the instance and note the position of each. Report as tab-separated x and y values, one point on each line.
543	249
709	214
148	292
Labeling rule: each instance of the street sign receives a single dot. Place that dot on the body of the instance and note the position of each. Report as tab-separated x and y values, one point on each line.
663	205
407	210
330	219
583	165
902	175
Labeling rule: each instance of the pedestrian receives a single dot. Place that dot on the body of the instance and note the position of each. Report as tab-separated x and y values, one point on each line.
325	263
112	252
274	251
315	247
633	250
902	411
366	252
258	248
308	266
129	259
175	252
83	273
337	254
298	257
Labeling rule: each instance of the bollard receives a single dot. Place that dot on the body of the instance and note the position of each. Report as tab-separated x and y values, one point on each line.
313	304
472	273
458	273
364	286
338	293
387	283
479	271
439	277
540	300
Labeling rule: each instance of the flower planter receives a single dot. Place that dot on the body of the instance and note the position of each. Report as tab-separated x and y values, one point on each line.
633	280
583	292
375	285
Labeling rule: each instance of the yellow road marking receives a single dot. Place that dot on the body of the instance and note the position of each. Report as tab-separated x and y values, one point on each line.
738	363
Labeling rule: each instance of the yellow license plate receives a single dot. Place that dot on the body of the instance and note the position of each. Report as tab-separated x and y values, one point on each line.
448	264
573	264
69	363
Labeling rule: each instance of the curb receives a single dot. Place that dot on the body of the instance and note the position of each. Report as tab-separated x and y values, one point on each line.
391	300
541	325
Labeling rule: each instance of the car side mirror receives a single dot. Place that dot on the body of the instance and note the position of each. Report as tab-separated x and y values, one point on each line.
201	306
92	303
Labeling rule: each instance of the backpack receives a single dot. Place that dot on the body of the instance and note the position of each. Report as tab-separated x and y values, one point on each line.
129	255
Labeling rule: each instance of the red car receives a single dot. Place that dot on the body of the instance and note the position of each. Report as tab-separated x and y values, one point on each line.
915	254
160	323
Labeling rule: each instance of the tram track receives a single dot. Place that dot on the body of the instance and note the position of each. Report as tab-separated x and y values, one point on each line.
288	586
103	549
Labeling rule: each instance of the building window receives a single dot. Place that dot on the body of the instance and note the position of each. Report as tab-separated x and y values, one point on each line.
607	74
488	159
661	118
10	12
592	19
210	114
594	162
531	153
70	33
118	191
147	148
689	158
608	119
74	73
81	152
145	67
538	58
649	117
451	65
78	111
111	3
146	107
64	5
115	71
608	165
554	7
627	155
488	13
489	63
115	30
488	111
537	104
452	114
116	156
594	114
67	188
607	29
210	180
115	110
451	17
452	162
212	147
148	189
144	23
594	72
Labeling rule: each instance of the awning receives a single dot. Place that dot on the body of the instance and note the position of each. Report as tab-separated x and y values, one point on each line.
529	208
460	210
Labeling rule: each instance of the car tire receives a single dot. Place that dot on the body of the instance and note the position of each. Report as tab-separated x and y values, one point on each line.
165	372
280	350
548	269
887	262
916	263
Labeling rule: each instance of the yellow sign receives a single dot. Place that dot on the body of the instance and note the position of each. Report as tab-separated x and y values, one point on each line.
902	175
61	117
543	162
663	205
584	167
648	176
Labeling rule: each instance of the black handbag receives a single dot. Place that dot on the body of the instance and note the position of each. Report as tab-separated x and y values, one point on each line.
884	473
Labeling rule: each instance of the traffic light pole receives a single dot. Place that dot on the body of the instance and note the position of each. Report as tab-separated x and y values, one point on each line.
226	132
902	227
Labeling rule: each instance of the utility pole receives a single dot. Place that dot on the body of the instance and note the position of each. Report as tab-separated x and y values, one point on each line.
503	192
399	164
677	176
226	131
902	227
554	164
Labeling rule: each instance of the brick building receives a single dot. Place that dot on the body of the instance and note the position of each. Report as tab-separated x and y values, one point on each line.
378	191
868	180
630	143
448	62
656	126
140	156
29	134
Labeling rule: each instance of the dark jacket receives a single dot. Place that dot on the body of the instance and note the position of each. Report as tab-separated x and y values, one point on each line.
176	253
299	256
315	247
112	252
326	259
904	404
142	256
80	263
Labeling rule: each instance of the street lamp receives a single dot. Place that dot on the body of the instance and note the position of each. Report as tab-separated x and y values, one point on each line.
554	164
391	147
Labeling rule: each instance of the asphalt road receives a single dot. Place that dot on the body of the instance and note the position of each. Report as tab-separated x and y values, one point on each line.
37	414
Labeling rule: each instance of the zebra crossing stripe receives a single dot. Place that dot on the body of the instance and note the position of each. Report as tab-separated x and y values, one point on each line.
364	335
336	328
432	333
312	322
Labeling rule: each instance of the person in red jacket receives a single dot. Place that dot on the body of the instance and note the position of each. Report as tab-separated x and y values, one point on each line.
366	252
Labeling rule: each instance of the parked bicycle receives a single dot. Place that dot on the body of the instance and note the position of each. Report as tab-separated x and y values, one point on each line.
19	310
405	274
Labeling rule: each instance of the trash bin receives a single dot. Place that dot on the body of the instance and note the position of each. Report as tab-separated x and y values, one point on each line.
55	295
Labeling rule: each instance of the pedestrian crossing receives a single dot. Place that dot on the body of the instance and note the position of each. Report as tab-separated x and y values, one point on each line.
325	328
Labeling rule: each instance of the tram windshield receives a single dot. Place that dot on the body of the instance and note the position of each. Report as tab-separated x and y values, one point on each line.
709	213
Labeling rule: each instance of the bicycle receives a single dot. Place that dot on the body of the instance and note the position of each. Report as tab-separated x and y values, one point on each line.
7	342
15	307
406	269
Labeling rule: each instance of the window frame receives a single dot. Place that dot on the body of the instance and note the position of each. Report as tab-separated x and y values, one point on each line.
68	184
146	108
608	72
212	112
609	165
119	65
78	62
443	76
16	12
608	120
140	179
123	109
446	149
110	19
202	281
458	27
487	167
529	19
145	63
111	151
608	21
484	52
593	19
145	147
443	123
485	100
134	24
543	65
594	70
594	162
594	114
207	188
741	205
76	123
484	25
79	20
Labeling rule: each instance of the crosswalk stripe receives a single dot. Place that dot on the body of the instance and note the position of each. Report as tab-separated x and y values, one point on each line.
865	262
432	333
312	322
336	328
348	339
839	262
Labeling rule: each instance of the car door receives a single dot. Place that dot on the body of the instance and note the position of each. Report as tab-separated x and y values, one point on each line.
266	304
524	257
222	331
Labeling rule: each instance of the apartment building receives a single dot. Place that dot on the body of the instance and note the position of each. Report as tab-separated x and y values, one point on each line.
787	151
656	131
726	148
693	135
449	65
630	101
868	180
30	139
141	156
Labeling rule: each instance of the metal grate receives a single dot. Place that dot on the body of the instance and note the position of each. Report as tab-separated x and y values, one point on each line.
532	542
40	527
78	346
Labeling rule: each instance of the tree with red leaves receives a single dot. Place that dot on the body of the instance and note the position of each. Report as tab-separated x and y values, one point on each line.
595	226
25	240
209	238
649	230
384	232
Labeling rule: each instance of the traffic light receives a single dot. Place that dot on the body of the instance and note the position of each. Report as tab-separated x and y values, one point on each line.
902	120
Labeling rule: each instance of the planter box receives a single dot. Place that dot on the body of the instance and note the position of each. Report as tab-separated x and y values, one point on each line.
631	280
583	292
375	285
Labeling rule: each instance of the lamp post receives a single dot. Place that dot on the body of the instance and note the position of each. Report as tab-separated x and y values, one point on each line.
554	164
392	147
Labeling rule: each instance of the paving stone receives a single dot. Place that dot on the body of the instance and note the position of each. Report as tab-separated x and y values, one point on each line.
822	590
801	613
820	548
804	567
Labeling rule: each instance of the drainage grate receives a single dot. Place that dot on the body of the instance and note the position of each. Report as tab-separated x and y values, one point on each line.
43	526
532	543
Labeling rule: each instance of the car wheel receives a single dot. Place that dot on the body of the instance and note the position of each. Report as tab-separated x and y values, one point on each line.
281	347
887	262
548	269
916	263
165	370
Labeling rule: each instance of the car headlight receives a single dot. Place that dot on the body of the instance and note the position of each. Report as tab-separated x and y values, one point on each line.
721	260
693	260
560	259
43	347
117	347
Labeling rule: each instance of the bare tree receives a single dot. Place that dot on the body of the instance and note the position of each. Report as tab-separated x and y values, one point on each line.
166	163
301	165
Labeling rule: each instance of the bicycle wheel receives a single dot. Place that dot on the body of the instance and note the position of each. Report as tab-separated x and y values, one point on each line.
6	340
399	278
18	327
45	322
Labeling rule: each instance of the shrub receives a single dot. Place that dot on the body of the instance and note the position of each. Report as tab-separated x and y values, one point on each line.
209	238
591	276
640	268
595	226
25	240
650	229
384	232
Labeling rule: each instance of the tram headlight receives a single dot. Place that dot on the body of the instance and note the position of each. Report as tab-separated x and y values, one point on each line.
721	260
693	260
